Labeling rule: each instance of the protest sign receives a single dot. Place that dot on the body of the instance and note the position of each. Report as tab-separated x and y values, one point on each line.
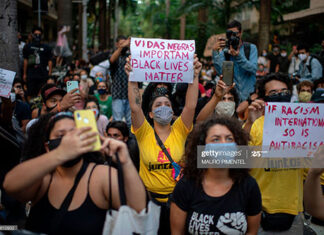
160	60
293	128
6	80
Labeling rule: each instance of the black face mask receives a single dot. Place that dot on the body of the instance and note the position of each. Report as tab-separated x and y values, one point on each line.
279	97
54	143
50	109
37	38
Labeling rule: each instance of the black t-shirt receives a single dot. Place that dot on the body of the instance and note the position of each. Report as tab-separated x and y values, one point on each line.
274	60
283	64
37	55
218	215
22	111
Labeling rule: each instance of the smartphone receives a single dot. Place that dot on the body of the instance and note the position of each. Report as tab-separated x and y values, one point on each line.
85	118
70	85
228	72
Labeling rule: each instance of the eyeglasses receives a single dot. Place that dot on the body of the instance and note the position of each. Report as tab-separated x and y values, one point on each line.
18	87
281	92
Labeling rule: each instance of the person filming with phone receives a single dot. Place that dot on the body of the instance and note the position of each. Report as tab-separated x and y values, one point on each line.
237	58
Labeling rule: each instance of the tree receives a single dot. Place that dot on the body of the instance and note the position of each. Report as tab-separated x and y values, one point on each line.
9	56
102	24
264	24
183	23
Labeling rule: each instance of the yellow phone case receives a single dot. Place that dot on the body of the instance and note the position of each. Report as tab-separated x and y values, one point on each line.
85	118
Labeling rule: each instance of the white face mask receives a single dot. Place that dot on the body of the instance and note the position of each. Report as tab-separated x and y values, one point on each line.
84	77
302	57
225	108
283	54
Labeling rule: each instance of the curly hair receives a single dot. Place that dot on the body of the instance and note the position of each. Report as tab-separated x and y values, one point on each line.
198	137
38	135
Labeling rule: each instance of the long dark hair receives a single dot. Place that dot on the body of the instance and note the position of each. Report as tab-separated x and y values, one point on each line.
38	135
198	137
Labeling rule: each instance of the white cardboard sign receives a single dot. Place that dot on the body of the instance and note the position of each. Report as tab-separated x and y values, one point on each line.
161	60
293	128
6	80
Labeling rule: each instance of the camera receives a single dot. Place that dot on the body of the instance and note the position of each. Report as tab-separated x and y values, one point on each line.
232	40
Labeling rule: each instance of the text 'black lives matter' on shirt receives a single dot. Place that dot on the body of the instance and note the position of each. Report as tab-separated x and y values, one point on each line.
218	215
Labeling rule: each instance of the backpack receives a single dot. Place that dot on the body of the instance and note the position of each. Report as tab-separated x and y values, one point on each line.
247	49
320	59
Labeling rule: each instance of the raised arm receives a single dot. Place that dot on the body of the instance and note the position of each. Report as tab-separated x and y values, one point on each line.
117	52
248	64
209	108
188	112
134	98
24	181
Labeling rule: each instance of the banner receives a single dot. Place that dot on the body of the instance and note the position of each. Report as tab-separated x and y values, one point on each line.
160	60
6	80
292	129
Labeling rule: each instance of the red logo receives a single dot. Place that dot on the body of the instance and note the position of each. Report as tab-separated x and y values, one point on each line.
162	158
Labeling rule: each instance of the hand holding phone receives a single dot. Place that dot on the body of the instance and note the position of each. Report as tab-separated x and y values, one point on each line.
228	72
71	85
86	118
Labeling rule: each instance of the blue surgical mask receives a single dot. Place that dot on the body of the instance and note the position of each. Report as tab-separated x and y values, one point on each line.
221	151
102	91
163	115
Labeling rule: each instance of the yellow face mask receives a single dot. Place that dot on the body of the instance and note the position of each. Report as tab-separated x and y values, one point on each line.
304	96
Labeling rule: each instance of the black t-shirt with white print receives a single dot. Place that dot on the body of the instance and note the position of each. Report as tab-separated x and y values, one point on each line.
218	215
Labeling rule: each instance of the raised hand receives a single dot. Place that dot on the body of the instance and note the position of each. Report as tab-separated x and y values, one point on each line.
76	143
111	146
128	67
197	66
70	99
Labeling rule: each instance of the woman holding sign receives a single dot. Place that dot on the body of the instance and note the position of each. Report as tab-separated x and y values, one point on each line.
162	147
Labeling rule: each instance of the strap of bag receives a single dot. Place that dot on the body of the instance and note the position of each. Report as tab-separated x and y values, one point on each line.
67	201
163	147
121	187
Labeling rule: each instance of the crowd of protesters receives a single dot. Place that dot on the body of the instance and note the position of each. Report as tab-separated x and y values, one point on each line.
155	128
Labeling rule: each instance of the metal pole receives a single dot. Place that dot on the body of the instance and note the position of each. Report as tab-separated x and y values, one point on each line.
39	13
84	31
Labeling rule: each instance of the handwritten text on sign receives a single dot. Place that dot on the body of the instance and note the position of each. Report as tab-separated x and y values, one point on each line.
159	60
293	126
6	80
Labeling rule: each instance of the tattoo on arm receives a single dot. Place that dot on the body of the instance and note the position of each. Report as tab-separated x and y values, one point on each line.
137	96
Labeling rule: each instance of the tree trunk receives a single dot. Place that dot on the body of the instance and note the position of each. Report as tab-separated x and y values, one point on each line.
116	23
183	23
102	25
264	24
109	44
167	13
64	16
9	56
202	31
80	30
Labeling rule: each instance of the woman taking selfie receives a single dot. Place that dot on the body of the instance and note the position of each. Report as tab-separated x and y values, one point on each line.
215	200
157	172
59	173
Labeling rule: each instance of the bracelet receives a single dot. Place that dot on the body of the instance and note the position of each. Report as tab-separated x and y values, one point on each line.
58	107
